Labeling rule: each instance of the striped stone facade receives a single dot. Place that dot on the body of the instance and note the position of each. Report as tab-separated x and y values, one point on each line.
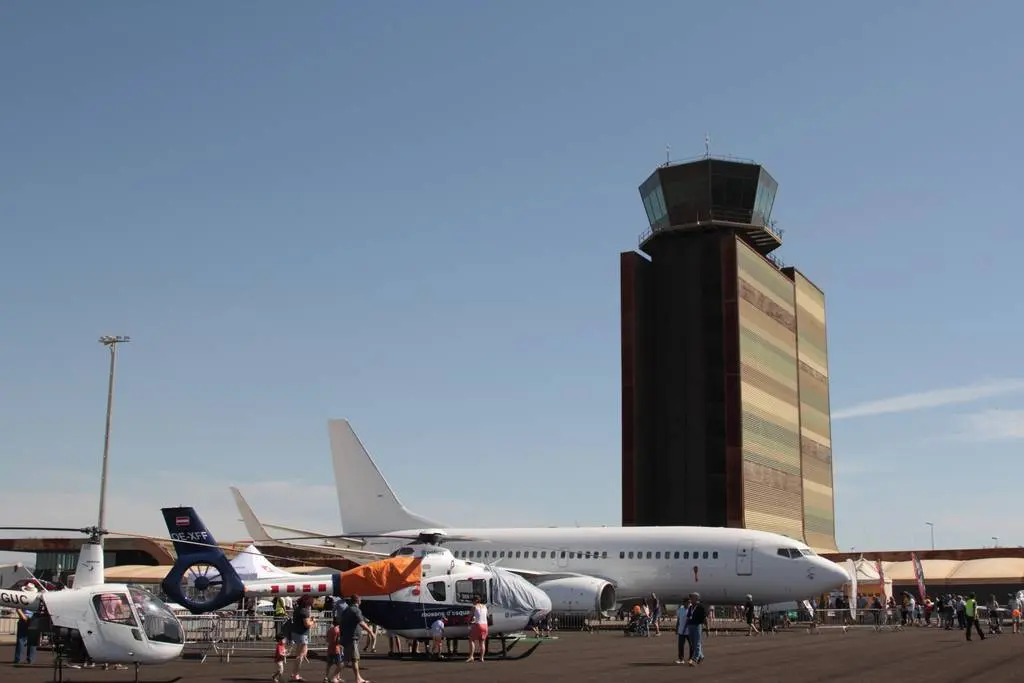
815	423
773	498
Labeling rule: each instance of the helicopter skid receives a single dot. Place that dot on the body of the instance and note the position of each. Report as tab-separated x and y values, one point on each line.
507	645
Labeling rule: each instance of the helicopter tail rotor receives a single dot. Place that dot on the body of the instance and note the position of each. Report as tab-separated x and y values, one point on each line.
202	579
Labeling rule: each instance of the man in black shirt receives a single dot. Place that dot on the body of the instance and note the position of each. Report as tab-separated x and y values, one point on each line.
302	621
352	620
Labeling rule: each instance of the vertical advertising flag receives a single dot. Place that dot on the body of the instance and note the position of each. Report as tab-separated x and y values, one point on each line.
881	581
918	574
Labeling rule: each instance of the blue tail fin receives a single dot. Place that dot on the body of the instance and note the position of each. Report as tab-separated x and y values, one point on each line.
202	579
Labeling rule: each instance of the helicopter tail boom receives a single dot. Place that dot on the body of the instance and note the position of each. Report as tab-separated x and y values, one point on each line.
201	568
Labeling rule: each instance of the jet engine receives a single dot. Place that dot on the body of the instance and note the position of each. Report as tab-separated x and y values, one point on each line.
579	594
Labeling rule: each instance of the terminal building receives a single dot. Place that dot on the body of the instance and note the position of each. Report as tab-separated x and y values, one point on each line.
725	396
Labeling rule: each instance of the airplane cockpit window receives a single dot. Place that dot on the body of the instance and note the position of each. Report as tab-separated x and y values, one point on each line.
159	623
807	552
467	589
114	608
437	590
791	553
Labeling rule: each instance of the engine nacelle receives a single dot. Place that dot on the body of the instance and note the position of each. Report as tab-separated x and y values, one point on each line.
579	594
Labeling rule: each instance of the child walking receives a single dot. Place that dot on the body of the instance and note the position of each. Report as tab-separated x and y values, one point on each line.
279	657
333	654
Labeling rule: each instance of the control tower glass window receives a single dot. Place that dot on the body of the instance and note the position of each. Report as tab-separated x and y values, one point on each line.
654	202
766	189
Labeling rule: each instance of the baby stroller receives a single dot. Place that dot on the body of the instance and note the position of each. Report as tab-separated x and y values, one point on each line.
638	625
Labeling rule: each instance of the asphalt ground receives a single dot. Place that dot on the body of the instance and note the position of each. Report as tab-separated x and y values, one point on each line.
917	654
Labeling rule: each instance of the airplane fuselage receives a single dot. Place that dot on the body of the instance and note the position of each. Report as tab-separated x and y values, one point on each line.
723	565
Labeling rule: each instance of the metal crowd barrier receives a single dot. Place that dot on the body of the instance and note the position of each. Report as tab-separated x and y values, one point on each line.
227	633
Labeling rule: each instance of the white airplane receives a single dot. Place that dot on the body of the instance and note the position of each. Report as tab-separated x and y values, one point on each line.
585	569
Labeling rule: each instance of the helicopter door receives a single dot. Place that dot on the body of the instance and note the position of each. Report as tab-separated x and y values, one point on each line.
112	632
438	593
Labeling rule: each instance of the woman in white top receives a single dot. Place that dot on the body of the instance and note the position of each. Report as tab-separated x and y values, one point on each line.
478	629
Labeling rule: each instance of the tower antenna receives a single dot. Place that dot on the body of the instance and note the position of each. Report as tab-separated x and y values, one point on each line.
668	158
707	145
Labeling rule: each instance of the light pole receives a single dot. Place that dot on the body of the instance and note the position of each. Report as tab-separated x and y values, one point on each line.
996	539
111	342
932	526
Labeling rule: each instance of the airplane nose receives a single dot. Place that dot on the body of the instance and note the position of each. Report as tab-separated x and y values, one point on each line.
837	574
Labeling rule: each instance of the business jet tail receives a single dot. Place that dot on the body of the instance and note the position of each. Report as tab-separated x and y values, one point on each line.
253	526
366	501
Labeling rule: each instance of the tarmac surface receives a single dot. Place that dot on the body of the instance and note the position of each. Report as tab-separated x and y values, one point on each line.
917	654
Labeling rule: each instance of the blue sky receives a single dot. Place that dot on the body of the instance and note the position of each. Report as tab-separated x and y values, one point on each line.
410	215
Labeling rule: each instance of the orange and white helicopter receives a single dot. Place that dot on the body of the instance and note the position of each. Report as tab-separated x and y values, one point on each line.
403	593
98	622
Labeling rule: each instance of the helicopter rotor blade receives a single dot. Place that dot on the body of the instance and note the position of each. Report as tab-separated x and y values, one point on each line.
440	535
237	548
79	530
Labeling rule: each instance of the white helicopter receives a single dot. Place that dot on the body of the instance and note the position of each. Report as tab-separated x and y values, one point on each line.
403	593
99	622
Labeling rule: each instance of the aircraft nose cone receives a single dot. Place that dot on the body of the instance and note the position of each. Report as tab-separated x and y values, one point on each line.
836	575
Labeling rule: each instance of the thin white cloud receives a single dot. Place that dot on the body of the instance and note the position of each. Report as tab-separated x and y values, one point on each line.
932	399
993	425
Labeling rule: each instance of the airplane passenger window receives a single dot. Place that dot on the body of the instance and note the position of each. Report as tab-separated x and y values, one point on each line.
714	555
604	554
544	554
705	554
675	555
437	590
588	555
622	554
535	554
686	555
648	554
631	554
487	553
563	554
114	608
502	553
467	589
657	555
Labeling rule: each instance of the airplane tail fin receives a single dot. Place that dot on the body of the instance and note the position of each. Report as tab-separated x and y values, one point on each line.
253	526
201	566
366	501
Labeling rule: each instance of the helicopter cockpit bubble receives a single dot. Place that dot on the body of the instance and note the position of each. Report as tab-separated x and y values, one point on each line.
158	621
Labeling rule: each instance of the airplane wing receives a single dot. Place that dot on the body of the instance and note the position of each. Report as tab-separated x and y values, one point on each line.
346	548
292	530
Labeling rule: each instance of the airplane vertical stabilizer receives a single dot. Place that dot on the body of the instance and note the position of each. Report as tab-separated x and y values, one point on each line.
252	525
366	501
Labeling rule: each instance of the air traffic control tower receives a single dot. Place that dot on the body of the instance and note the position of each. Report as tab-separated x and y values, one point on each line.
725	399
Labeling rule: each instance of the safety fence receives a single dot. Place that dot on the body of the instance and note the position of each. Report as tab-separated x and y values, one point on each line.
228	633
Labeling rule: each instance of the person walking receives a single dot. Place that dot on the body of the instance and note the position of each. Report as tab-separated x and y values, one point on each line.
971	616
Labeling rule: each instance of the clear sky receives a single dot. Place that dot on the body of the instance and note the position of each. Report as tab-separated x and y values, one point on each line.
410	215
